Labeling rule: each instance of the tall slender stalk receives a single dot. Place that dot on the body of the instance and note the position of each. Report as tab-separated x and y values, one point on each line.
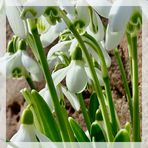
98	89
84	111
50	84
113	115
124	81
136	114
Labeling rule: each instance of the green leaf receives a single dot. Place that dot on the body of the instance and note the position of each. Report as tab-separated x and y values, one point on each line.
79	133
122	136
43	117
127	126
93	106
96	132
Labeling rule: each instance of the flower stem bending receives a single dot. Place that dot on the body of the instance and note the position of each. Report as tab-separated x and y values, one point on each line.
124	81
113	115
98	89
50	84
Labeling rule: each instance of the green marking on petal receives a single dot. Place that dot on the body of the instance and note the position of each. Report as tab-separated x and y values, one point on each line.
28	12
17	72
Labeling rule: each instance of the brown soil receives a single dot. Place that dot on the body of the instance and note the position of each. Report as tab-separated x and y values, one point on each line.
15	103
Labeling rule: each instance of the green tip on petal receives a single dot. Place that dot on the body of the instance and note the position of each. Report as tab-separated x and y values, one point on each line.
22	45
27	117
77	54
10	46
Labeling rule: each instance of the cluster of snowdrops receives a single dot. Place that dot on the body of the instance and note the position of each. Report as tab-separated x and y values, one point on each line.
78	62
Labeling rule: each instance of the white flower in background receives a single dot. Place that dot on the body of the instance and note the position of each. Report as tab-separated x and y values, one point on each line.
102	7
52	33
119	17
17	24
95	28
20	64
71	97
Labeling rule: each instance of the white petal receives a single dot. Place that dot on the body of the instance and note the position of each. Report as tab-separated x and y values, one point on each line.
112	38
72	99
41	137
30	6
61	46
52	34
101	6
99	36
32	67
59	75
82	12
76	78
47	97
42	25
117	12
105	53
14	62
25	134
73	46
99	75
16	23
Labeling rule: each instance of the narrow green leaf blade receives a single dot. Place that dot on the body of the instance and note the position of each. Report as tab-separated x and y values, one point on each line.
79	133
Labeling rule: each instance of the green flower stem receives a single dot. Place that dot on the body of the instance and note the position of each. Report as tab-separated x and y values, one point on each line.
113	115
84	111
93	73
50	84
124	81
136	114
129	52
30	82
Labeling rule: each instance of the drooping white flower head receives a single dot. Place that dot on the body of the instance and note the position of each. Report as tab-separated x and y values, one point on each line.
27	131
119	17
20	64
17	24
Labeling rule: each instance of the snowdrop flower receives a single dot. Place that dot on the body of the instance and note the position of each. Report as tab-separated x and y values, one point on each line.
20	64
72	98
17	24
119	17
27	131
53	32
76	74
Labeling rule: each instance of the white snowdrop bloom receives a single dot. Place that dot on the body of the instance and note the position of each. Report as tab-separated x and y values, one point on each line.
17	24
71	97
20	64
53	32
119	17
82	18
77	76
27	131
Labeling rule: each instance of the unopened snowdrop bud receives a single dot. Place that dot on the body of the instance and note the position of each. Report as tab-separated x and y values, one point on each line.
17	24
